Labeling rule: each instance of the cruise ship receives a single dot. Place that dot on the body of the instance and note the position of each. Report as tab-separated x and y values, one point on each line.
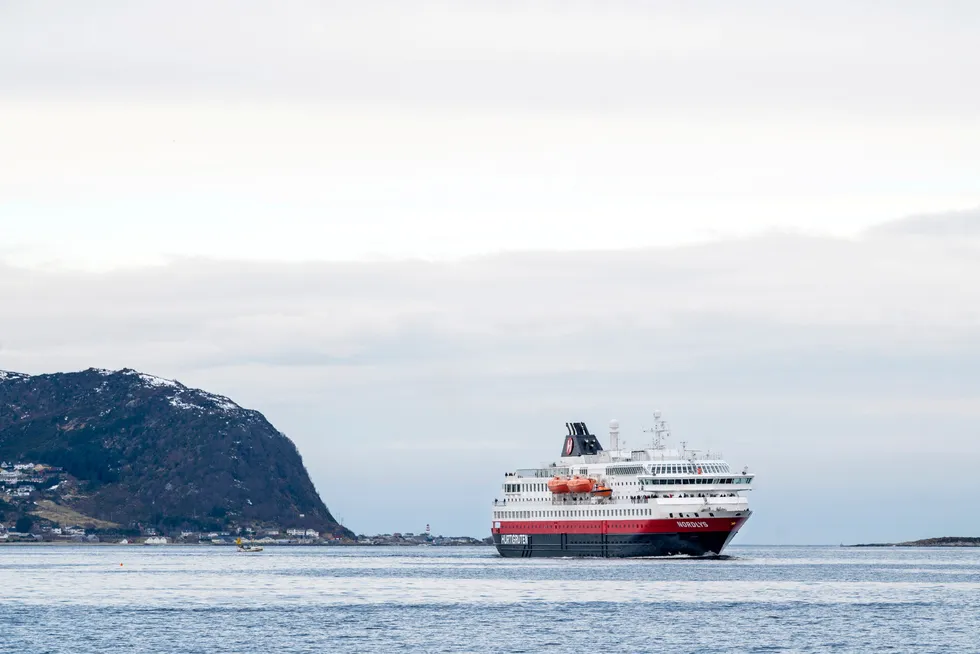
655	501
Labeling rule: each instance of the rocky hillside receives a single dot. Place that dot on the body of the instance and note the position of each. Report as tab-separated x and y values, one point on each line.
145	451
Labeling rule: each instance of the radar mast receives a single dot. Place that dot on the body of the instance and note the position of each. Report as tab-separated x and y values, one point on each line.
660	431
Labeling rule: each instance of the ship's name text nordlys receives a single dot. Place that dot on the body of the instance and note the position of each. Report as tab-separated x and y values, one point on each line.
692	525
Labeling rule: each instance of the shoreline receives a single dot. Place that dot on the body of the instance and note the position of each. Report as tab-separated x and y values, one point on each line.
942	541
909	545
117	544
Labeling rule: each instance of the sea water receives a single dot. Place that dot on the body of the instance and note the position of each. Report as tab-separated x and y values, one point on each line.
445	599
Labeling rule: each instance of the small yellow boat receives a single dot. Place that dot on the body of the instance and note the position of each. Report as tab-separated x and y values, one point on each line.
247	547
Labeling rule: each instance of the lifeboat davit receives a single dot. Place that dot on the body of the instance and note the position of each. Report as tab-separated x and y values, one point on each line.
580	484
602	491
558	485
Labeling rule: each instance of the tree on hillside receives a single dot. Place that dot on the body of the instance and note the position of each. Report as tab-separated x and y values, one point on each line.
24	524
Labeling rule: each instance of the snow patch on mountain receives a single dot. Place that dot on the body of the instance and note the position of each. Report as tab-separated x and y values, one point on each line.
158	381
152	380
180	404
179	396
220	401
185	399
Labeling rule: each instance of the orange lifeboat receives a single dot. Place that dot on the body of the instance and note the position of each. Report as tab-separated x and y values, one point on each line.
602	491
558	485
580	484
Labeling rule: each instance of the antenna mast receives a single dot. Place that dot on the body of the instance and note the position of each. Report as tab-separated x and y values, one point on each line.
661	431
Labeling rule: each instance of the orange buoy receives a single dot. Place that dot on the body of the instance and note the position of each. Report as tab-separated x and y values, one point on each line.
558	485
602	491
580	484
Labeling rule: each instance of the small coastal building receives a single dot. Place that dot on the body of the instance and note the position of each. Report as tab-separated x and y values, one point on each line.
23	491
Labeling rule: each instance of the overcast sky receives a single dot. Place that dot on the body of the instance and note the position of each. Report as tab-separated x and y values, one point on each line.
422	237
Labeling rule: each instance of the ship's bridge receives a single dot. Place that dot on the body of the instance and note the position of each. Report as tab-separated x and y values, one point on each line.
688	467
695	482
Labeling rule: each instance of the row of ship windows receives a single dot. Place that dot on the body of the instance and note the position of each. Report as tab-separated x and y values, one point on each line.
623	470
517	515
689	468
593	513
517	488
697	480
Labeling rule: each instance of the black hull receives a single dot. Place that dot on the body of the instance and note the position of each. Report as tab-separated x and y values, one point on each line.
616	545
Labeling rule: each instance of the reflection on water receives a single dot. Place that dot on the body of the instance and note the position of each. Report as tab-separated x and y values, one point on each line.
170	599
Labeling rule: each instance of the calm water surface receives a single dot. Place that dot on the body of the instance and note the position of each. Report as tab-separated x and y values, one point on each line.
212	599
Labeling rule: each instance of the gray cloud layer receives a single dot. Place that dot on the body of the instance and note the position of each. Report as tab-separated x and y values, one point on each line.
953	225
802	357
761	56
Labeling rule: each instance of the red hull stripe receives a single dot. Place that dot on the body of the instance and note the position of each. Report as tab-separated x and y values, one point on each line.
661	526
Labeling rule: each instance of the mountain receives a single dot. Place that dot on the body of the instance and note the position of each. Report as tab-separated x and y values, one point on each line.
138	451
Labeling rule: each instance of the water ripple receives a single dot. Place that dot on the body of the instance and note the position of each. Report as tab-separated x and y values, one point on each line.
207	599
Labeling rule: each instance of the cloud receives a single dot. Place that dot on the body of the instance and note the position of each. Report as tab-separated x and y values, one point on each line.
601	56
951	225
533	311
776	348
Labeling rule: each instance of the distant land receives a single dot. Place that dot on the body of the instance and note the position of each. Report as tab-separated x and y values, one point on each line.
944	541
126	454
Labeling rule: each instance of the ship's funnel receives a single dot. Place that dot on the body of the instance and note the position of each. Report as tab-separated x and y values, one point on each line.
579	441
